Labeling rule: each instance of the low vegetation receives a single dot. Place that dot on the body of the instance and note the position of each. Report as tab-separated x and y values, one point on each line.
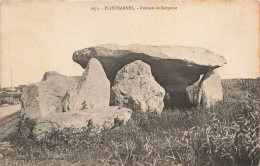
226	134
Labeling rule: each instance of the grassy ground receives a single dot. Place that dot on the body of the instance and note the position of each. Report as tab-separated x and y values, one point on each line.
227	134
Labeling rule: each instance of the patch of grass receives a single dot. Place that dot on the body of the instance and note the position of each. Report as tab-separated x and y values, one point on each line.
226	134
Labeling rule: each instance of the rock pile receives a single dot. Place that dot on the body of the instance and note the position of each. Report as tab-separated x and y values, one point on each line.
130	78
60	101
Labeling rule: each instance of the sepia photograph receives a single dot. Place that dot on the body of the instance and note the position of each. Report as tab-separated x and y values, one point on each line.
130	83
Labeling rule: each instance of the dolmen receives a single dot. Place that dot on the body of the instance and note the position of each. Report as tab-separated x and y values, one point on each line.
175	68
118	81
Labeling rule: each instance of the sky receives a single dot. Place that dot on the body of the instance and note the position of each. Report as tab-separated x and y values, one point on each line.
41	36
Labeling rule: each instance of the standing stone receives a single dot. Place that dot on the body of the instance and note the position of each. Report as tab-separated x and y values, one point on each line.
135	87
92	91
43	98
210	89
62	80
192	92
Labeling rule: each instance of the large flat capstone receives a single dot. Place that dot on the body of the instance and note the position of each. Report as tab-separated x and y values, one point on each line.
173	67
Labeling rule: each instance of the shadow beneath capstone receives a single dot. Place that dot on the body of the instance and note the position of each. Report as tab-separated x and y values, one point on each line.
173	75
167	72
176	100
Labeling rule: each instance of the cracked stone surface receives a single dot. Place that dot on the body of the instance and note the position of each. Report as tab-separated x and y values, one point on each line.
210	89
92	91
135	87
108	117
43	98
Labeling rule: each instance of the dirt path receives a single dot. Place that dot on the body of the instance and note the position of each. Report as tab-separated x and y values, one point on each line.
9	118
5	111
